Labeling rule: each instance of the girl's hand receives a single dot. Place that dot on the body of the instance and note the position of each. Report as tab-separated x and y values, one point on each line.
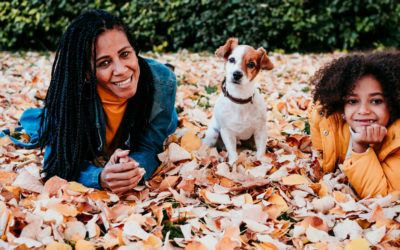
366	135
121	173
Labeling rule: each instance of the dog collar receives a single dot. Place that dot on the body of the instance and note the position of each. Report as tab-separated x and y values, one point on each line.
234	99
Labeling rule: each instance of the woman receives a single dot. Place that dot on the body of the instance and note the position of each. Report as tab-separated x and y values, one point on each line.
103	97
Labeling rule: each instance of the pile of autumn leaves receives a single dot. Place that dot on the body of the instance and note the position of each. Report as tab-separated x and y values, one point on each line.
195	200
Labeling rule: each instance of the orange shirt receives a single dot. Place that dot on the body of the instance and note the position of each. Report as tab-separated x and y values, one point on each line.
114	109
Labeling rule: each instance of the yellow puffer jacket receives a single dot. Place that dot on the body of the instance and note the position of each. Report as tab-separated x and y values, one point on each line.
370	173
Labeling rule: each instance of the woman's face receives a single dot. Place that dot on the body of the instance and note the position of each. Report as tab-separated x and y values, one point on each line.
117	68
366	105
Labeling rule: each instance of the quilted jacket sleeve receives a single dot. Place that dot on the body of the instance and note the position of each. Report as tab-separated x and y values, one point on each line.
369	176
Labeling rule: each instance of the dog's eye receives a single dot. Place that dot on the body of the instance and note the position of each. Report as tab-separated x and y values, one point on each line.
232	60
251	65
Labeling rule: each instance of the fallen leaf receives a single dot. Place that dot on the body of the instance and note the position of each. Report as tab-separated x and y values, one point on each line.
357	244
190	141
294	179
28	182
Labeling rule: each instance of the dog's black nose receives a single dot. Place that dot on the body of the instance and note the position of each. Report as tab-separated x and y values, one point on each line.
237	75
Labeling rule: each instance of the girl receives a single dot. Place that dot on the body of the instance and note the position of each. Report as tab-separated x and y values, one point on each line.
103	97
356	120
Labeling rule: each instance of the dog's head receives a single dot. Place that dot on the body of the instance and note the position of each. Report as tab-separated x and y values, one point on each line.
243	62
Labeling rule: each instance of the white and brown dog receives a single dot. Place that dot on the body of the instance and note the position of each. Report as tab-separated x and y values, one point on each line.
240	110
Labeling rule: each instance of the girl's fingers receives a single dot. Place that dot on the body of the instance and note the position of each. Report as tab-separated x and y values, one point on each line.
370	134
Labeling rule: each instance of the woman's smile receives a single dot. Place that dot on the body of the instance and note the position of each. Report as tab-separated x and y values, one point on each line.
124	83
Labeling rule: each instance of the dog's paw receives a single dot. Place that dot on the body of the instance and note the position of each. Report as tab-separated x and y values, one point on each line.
262	158
209	141
232	160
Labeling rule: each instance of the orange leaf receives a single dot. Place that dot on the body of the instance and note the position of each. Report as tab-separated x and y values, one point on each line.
58	246
64	209
190	141
7	177
84	245
54	184
195	245
168	182
77	187
279	201
294	179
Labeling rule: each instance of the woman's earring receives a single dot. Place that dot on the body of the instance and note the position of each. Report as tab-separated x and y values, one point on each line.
343	117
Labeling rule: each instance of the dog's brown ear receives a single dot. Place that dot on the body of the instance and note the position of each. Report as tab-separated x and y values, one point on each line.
226	49
265	63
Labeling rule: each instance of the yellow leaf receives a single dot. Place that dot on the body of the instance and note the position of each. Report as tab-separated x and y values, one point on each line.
58	246
65	209
152	242
195	245
279	201
294	179
340	197
358	244
190	141
323	190
77	187
84	245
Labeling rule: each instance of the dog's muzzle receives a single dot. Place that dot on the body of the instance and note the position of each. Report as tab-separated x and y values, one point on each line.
237	76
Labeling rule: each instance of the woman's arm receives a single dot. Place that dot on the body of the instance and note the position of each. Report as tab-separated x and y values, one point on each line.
163	119
150	144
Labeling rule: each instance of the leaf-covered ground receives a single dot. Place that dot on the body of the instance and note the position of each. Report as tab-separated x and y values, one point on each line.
195	200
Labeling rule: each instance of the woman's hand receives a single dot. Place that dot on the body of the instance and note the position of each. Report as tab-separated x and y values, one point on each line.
121	173
367	135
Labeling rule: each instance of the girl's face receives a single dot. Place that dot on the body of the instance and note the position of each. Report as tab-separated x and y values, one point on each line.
366	104
117	68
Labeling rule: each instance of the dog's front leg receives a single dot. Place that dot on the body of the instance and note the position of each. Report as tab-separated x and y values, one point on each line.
229	140
212	133
260	138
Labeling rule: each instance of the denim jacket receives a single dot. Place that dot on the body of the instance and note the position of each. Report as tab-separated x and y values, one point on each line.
162	122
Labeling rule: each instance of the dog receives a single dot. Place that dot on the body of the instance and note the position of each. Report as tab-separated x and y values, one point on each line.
240	110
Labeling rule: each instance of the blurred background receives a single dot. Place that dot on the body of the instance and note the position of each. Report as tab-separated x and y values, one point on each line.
202	25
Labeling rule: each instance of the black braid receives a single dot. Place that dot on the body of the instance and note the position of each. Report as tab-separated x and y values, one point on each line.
67	126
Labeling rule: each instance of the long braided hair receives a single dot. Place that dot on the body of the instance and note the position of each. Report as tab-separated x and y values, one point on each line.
66	125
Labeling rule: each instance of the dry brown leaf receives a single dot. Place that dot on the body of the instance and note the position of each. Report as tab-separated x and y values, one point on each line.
315	222
168	182
214	197
177	153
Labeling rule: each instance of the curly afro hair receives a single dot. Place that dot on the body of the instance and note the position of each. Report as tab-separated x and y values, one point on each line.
336	80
